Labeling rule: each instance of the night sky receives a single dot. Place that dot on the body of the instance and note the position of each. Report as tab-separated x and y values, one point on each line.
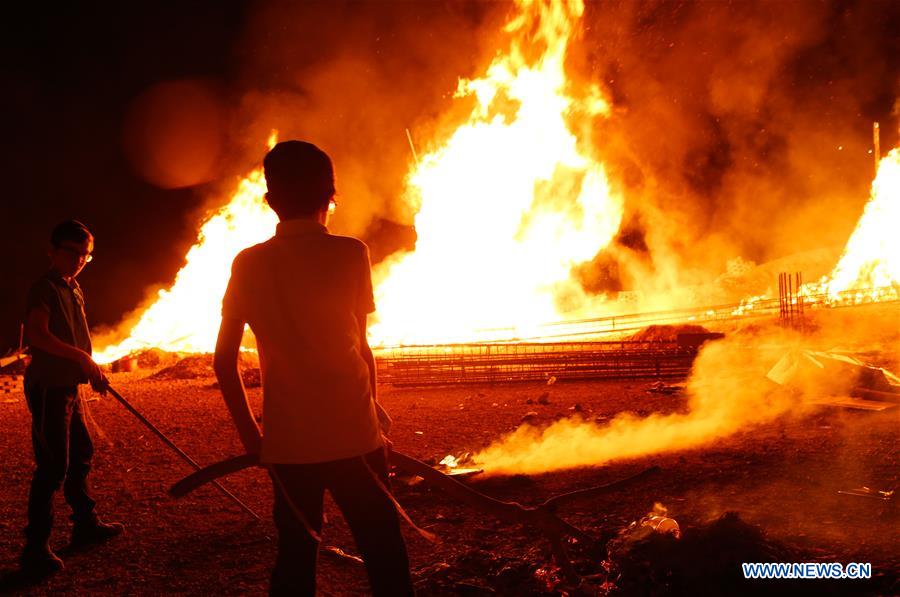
78	109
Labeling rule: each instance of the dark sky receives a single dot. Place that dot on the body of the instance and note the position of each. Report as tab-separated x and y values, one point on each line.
718	106
70	75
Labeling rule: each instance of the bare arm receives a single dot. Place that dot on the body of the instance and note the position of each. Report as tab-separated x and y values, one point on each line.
225	363
37	326
366	351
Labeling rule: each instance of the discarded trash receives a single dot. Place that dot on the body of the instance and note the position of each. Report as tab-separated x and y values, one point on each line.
450	465
854	403
450	461
662	524
343	554
868	492
551	380
663	388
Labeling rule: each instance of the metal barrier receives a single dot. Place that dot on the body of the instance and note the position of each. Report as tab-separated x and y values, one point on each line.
495	363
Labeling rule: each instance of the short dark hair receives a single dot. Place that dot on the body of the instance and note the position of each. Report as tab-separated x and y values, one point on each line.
299	177
70	231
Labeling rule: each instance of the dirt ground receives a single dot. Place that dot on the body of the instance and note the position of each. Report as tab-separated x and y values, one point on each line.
782	479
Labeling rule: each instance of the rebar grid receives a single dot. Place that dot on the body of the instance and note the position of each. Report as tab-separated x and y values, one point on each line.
495	363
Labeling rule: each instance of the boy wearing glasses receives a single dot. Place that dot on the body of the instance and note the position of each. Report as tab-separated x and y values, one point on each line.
60	343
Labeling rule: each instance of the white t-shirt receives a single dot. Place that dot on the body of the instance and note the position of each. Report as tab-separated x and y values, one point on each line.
301	292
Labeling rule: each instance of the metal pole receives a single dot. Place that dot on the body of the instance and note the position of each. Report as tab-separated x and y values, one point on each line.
178	450
412	147
876	144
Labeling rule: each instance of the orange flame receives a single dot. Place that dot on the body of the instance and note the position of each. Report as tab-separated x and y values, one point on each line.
505	209
507	206
186	317
871	258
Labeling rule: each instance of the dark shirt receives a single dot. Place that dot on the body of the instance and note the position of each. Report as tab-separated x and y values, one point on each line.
64	302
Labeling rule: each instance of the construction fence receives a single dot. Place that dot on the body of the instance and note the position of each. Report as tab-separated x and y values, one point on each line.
496	363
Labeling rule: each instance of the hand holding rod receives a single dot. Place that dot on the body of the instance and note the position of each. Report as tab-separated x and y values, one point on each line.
178	450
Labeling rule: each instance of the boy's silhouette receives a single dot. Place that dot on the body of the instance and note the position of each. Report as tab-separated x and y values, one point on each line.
60	343
306	295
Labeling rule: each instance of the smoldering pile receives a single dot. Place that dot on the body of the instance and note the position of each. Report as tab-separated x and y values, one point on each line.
705	559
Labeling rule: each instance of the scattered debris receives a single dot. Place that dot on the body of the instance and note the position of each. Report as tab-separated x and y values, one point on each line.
854	403
660	387
639	558
10	384
544	398
893	396
529	416
868	492
827	370
662	524
577	408
15	362
830	376
190	367
343	555
551	380
456	466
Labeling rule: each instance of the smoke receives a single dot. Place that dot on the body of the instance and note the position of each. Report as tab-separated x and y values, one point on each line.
734	385
740	130
728	391
353	77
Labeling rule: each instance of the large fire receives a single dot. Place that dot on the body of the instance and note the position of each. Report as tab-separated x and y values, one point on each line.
508	205
186	317
871	259
869	267
505	208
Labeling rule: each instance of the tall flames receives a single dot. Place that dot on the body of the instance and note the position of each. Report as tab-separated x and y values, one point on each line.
869	267
505	208
507	205
871	259
185	318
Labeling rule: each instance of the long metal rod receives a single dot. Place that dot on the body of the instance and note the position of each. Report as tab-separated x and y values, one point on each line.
178	450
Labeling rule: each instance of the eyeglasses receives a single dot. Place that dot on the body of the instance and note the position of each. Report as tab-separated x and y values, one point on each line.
88	257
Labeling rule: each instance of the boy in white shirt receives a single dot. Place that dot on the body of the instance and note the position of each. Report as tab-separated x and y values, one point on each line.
306	295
